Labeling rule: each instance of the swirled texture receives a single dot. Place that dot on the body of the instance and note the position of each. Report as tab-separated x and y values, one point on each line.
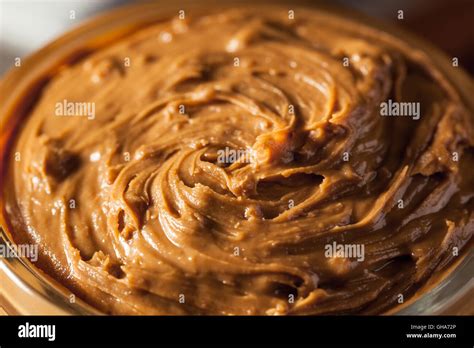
136	210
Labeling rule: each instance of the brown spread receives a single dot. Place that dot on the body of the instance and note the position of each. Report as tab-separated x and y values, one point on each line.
246	162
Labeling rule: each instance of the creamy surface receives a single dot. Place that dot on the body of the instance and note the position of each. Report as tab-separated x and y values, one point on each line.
135	211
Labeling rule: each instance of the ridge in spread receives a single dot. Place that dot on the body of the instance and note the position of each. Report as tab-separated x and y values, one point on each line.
230	160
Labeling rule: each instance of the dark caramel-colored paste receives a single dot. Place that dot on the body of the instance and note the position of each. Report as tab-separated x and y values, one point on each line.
226	155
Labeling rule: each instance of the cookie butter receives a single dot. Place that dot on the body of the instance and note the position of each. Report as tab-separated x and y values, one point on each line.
238	162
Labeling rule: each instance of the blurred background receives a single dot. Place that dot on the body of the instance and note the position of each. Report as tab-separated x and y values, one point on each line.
26	25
